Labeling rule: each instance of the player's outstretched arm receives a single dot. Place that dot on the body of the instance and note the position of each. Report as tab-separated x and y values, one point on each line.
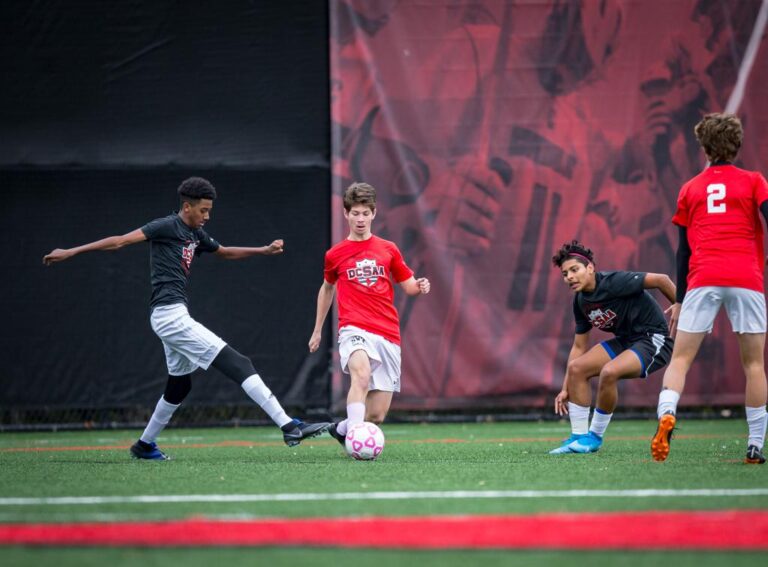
109	243
240	252
415	286
324	301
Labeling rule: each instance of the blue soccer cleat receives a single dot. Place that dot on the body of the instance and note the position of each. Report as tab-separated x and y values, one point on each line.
589	443
564	446
141	450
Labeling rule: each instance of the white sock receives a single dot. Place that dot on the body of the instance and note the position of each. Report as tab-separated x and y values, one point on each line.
160	418
579	416
257	390
355	413
341	428
756	420
600	421
667	402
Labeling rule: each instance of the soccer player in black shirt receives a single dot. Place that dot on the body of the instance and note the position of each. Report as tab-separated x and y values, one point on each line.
175	241
618	303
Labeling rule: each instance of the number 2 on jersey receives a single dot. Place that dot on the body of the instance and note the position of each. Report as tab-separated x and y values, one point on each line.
716	198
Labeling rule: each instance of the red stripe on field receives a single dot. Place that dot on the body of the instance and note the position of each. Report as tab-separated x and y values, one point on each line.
735	529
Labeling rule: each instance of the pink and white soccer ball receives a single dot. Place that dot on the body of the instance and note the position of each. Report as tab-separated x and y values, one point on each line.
364	441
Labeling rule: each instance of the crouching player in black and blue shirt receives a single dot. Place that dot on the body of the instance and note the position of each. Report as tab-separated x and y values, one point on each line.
618	303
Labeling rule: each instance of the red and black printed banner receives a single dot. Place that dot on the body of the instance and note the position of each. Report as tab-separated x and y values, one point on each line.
495	131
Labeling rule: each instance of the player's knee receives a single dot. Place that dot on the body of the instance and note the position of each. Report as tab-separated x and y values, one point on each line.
233	365
375	416
360	380
577	370
608	376
177	388
754	369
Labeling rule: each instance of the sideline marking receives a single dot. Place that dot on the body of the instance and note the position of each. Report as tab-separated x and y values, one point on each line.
421	495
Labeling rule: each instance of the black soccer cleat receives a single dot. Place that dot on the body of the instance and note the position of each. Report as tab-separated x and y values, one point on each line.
754	456
336	435
141	450
301	431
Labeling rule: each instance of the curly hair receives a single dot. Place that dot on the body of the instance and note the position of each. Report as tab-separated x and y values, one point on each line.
720	136
195	188
573	250
360	194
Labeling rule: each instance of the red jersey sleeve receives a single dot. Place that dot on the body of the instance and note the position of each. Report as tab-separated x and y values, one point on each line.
760	188
330	271
681	215
399	269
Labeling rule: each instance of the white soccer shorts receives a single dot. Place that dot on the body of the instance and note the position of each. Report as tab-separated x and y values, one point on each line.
383	354
745	309
188	344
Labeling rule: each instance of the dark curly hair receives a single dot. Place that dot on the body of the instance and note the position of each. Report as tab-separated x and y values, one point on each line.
195	188
573	250
720	136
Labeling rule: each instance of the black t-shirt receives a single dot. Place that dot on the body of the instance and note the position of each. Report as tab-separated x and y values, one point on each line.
173	246
619	305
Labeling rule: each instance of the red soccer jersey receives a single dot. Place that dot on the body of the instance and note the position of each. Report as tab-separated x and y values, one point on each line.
361	271
719	208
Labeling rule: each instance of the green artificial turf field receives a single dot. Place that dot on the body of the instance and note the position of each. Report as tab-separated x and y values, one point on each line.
246	473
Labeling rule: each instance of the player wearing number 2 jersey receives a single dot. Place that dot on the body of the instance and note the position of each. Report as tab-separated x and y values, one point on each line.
720	263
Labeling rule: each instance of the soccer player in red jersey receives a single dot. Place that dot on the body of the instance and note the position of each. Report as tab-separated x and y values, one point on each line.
720	263
362	268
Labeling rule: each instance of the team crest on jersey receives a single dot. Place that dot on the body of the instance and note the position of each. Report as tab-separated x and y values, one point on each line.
188	254
366	272
601	319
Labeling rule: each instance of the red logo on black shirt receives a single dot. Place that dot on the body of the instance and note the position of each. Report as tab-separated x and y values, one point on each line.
601	319
187	255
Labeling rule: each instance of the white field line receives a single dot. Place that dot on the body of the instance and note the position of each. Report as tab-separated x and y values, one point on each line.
363	496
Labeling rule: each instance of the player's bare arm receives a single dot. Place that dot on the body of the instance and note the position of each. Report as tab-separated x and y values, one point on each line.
663	283
324	302
109	243
415	286
240	252
579	347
